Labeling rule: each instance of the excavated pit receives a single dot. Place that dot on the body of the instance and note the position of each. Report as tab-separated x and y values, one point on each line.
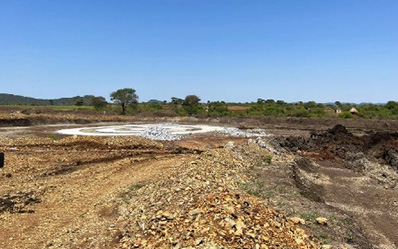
356	174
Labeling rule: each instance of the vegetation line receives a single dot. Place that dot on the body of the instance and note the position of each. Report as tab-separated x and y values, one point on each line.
125	101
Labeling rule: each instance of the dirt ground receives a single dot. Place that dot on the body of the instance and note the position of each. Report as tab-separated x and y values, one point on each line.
357	175
81	192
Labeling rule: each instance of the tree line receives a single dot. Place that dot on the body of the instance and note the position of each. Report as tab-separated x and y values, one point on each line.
191	105
125	101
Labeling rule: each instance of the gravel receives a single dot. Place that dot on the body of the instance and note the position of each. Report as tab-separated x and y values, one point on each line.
163	131
232	131
159	132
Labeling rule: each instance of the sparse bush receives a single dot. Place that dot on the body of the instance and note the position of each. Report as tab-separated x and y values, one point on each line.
217	108
52	137
268	159
346	115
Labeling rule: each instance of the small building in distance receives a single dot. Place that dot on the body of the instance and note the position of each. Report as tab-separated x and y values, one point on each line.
338	111
353	111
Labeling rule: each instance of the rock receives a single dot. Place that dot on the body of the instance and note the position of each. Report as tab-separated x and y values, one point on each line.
229	209
321	221
239	227
194	212
230	145
198	241
168	215
230	222
297	220
299	241
251	235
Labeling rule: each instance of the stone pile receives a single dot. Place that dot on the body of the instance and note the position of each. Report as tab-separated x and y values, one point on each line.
200	205
235	132
159	132
162	132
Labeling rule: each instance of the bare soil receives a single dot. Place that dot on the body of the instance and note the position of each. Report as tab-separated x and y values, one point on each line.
356	175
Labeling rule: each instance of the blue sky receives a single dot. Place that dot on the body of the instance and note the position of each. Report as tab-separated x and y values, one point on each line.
321	50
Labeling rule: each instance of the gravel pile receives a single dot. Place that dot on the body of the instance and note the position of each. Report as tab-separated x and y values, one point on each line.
232	131
163	132
159	132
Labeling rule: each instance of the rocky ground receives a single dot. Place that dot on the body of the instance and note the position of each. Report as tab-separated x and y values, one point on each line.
333	188
83	192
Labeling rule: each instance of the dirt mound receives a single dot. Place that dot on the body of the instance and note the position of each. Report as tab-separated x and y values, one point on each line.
339	143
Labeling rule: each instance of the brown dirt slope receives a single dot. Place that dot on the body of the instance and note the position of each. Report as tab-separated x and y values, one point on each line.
354	174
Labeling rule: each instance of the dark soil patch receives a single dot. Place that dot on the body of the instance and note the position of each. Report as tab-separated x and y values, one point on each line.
18	203
15	122
338	143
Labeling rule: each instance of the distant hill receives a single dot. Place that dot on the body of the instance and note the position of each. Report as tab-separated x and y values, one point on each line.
11	99
154	101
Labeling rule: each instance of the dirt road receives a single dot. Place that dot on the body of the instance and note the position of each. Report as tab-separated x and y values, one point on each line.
44	206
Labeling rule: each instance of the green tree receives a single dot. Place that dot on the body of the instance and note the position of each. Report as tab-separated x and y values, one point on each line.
79	102
280	102
269	102
98	102
260	101
217	108
191	104
310	104
391	105
124	97
176	101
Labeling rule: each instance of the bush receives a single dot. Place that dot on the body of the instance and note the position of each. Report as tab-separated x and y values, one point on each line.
346	115
79	102
99	103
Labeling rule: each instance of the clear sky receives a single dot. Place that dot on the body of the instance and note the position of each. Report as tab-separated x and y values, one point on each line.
321	50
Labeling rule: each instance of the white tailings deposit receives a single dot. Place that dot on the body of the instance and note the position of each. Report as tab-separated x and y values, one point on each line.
161	131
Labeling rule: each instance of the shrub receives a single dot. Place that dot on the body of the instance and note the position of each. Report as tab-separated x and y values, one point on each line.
346	115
